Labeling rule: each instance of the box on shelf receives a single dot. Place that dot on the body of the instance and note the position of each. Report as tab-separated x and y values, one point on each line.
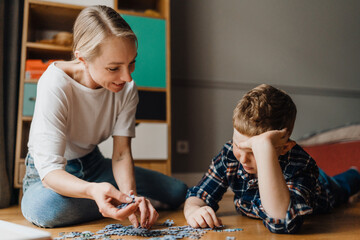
34	68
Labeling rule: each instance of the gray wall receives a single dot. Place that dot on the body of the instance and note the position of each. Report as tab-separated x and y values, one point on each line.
223	48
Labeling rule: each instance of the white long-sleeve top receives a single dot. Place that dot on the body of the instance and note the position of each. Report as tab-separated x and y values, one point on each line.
70	119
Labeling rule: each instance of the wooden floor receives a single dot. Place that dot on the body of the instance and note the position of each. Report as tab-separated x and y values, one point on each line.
343	223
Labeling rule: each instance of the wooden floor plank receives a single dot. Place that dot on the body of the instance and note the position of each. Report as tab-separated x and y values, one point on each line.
343	223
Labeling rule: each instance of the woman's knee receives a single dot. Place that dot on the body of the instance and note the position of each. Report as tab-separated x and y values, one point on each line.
36	209
46	208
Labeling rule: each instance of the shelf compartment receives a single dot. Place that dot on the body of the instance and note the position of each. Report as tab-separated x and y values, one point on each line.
151	106
142	148
147	8
47	19
47	51
24	138
157	148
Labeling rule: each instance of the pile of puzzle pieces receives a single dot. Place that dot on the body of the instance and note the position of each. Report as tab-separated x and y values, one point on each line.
169	233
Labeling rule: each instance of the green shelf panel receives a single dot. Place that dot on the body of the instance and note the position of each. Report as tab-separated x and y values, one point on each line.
150	66
29	99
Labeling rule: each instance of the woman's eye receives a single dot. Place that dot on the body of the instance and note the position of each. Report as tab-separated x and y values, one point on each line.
113	69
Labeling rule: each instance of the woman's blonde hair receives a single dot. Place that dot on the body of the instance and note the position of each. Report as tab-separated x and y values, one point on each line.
262	109
96	23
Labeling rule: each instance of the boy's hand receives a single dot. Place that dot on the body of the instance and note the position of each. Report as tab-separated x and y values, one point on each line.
203	217
277	138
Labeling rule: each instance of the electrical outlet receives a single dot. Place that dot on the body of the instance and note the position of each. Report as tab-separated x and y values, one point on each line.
182	146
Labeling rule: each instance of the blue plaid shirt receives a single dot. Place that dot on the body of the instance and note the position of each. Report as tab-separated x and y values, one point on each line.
300	171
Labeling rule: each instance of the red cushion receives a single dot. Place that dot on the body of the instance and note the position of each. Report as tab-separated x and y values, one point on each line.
336	158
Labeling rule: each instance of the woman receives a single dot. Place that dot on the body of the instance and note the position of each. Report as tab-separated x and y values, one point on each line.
80	103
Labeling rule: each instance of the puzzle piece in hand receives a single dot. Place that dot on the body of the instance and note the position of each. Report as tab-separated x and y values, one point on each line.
123	205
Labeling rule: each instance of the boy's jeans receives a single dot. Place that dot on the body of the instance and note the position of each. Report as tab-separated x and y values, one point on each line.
342	185
46	208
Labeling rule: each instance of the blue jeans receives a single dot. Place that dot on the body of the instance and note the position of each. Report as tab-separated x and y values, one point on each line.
46	208
342	185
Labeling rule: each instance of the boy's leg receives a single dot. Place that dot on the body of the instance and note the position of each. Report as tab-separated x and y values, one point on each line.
349	180
342	185
339	193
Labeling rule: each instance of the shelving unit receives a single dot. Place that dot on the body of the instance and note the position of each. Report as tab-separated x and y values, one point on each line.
152	74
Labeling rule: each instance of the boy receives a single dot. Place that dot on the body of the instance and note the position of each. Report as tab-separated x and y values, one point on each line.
272	177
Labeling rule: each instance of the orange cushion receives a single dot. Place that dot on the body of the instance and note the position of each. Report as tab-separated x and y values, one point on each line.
336	158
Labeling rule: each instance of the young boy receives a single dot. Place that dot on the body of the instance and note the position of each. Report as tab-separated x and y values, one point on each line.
272	177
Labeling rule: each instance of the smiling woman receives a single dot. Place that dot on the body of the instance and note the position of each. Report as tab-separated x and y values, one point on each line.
79	104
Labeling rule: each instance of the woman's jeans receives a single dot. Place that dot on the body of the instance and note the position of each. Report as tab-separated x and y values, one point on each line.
46	208
342	185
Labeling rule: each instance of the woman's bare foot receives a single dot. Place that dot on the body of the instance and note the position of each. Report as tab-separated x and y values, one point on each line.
356	197
355	168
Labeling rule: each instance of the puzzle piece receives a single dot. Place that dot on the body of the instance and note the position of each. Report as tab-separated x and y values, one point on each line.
230	238
167	223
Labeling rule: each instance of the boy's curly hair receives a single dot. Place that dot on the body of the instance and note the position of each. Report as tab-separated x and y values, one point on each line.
262	109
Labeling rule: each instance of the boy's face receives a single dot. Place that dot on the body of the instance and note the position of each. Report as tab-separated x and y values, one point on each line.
244	155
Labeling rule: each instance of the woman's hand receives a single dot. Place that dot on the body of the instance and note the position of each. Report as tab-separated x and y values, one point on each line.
148	214
107	197
203	217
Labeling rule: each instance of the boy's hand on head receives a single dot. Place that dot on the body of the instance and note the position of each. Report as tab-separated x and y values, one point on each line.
277	138
203	217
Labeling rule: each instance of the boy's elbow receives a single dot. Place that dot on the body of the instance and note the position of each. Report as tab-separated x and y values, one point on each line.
285	227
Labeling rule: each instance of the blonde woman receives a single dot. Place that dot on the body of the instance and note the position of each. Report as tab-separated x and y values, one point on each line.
79	104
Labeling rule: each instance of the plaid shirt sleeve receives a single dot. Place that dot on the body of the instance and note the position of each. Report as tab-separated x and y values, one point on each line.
214	183
301	173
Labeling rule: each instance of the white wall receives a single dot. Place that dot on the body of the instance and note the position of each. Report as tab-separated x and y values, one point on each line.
221	49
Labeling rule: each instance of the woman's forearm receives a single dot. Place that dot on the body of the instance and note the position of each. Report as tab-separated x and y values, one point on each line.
68	185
